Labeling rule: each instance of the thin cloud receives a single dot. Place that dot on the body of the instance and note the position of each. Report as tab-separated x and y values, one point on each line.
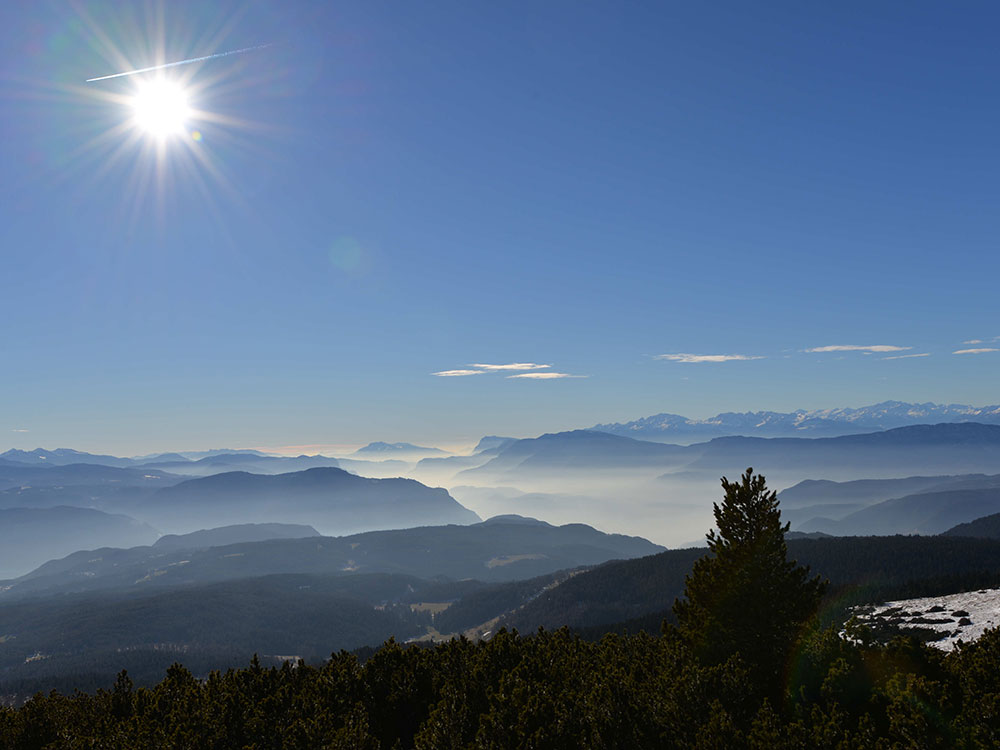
458	373
699	358
976	351
511	366
972	342
545	375
875	348
907	356
18	430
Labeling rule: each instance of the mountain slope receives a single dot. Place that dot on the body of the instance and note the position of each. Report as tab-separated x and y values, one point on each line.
924	513
986	527
948	448
943	448
495	551
332	500
379	450
31	536
236	534
859	570
47	475
217	625
61	457
812	499
870	491
222	462
585	450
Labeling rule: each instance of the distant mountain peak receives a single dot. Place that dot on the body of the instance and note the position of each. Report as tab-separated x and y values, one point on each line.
515	518
832	422
379	447
493	442
61	457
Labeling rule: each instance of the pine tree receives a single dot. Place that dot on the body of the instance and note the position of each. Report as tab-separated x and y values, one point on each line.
746	597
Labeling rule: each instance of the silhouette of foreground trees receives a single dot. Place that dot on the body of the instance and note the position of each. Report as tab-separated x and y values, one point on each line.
743	668
746	598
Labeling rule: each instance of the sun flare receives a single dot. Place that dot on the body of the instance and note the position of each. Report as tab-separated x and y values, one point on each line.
160	107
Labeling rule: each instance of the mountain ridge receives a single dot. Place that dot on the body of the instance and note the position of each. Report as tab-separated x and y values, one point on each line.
496	550
327	498
666	427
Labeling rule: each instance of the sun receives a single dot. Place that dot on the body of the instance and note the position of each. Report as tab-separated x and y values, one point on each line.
160	107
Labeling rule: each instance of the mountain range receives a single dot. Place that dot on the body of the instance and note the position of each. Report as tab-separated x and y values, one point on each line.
949	446
330	499
887	415
499	549
235	534
923	513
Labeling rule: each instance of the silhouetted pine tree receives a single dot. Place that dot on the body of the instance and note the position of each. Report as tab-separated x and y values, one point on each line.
746	597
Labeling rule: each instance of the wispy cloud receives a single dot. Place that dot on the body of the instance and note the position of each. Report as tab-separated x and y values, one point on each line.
511	366
972	342
976	351
699	358
18	430
874	348
522	370
907	356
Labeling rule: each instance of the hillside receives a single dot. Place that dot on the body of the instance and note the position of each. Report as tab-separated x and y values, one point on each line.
246	532
578	450
941	621
924	513
947	449
941	448
74	475
30	536
986	527
330	499
869	491
823	499
289	616
218	463
61	457
859	569
499	551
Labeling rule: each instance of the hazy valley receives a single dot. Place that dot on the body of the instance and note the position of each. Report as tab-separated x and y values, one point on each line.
390	540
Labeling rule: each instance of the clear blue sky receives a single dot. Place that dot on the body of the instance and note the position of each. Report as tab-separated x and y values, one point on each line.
399	189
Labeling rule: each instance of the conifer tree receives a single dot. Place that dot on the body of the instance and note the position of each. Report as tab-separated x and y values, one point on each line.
746	597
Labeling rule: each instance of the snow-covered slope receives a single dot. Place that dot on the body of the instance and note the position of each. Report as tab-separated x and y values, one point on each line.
953	617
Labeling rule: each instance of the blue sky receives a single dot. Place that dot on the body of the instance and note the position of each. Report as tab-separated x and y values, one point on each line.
399	189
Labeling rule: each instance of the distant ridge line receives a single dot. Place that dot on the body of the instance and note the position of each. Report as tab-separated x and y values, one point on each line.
836	422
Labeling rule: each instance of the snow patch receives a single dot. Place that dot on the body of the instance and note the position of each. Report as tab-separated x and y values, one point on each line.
957	617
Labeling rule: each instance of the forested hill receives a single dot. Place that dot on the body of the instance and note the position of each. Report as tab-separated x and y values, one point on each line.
859	569
987	527
491	551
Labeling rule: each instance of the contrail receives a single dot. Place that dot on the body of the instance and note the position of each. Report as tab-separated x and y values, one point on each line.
180	62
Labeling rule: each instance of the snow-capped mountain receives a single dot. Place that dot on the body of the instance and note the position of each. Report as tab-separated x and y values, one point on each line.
817	423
